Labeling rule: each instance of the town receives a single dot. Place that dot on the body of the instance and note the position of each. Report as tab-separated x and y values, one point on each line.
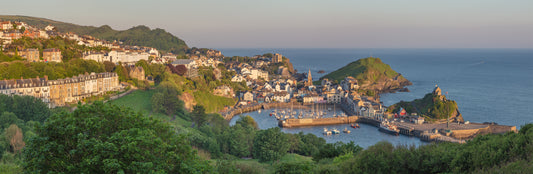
276	87
269	80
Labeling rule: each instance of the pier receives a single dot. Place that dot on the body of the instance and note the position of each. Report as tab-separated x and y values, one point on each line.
317	121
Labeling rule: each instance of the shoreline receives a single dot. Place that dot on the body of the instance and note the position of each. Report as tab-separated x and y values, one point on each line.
428	132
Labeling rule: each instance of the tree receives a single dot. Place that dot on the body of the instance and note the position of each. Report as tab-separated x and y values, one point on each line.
15	137
166	100
29	108
104	138
122	72
7	119
109	66
270	144
143	63
198	115
247	121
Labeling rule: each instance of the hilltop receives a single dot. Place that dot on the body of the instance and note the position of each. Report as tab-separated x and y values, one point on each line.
139	35
434	106
371	74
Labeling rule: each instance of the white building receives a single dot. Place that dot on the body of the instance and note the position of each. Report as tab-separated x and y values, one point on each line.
237	78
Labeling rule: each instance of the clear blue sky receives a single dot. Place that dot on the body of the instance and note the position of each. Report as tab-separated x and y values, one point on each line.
306	23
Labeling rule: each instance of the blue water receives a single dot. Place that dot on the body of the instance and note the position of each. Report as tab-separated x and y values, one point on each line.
490	85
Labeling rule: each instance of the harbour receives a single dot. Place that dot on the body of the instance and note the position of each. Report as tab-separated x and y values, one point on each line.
427	132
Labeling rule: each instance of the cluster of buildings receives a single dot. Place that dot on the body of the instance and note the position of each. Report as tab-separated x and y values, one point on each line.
197	59
62	91
286	90
10	31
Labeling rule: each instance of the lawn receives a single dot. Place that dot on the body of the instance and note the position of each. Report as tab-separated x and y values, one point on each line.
212	103
141	101
257	167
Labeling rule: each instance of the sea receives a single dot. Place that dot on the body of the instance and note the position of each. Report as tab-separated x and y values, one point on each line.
489	85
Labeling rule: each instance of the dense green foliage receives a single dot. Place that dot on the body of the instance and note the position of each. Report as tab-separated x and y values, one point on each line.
270	144
480	154
103	138
165	100
431	106
74	67
366	71
201	88
26	108
139	35
18	117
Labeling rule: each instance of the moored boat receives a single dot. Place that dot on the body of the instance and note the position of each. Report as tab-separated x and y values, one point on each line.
386	127
346	130
326	132
335	131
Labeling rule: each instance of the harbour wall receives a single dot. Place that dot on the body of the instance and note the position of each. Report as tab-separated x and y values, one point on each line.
288	123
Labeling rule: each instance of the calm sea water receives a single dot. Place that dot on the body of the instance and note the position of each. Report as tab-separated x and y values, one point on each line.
490	85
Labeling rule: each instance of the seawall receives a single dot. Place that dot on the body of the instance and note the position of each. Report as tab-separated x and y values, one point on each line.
317	122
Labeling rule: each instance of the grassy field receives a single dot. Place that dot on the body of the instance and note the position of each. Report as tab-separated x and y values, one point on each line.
254	166
212	103
141	101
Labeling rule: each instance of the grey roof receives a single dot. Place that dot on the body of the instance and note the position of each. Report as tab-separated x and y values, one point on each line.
182	61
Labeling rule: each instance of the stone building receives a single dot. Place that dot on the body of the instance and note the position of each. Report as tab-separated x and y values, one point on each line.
52	55
62	91
30	54
137	72
276	58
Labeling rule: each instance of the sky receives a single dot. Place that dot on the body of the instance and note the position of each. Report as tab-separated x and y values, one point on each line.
306	23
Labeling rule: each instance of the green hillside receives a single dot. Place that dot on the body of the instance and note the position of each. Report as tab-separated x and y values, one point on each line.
139	35
371	74
431	106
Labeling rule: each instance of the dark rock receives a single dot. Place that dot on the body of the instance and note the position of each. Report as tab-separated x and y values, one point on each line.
404	90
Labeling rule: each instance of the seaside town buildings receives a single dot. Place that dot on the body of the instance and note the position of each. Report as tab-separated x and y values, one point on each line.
62	91
30	54
265	87
52	55
277	58
137	72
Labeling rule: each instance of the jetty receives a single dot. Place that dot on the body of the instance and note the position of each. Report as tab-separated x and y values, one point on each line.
431	132
288	123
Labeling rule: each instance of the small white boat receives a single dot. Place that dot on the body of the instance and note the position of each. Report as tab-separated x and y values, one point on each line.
326	132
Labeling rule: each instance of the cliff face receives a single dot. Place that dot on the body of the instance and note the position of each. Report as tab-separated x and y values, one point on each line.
371	74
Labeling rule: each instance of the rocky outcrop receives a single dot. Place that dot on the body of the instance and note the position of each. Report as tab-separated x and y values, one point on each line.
386	85
434	105
189	101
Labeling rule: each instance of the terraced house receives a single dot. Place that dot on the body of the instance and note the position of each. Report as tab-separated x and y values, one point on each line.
62	91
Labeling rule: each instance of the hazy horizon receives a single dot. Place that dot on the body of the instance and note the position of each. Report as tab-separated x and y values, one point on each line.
307	24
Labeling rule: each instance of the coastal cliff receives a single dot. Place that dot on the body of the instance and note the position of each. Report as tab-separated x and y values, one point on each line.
434	106
371	74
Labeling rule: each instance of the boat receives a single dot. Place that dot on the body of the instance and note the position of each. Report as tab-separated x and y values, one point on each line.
346	130
335	131
386	127
259	111
355	126
326	132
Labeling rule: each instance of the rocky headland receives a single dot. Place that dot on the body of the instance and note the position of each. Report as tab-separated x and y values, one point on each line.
371	74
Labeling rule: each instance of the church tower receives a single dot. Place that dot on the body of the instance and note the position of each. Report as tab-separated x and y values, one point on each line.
309	78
